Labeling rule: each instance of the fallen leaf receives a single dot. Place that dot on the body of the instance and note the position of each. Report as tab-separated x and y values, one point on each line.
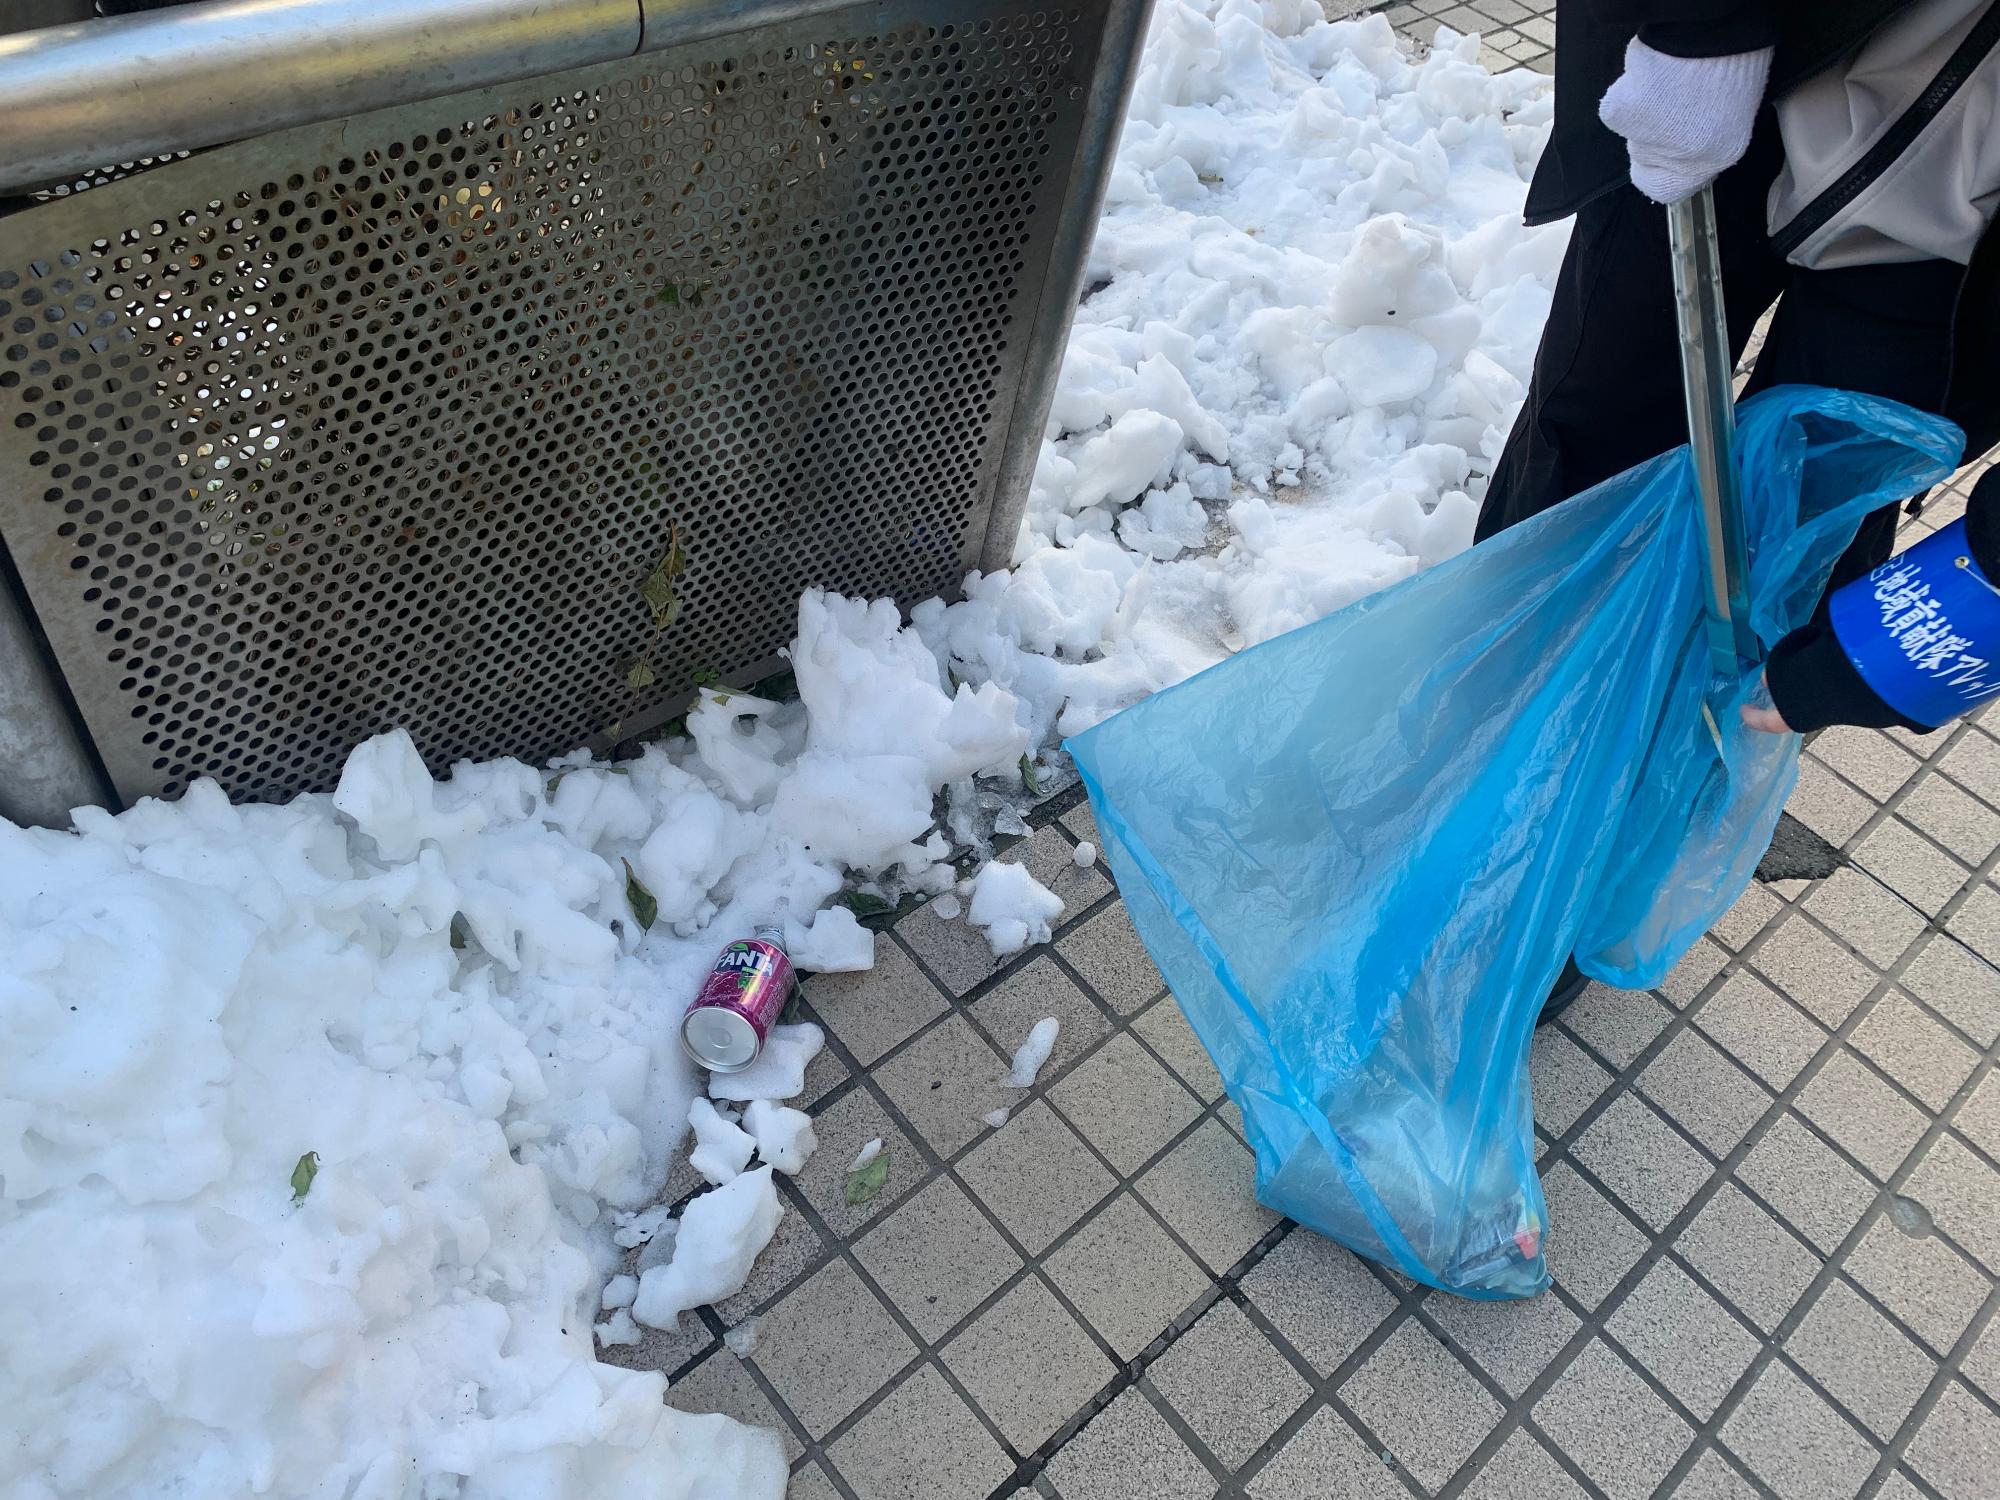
645	909
863	903
865	1181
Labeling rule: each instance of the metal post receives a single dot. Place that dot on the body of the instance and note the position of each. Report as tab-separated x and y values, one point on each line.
1711	413
45	769
1110	93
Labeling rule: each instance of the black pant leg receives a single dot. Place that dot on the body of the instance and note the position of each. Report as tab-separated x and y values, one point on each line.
1606	388
1881	330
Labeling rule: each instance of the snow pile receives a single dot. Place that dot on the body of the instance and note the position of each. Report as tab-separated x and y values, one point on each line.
438	991
442	990
1312	319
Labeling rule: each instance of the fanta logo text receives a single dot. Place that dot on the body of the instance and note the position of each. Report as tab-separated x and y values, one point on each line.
740	958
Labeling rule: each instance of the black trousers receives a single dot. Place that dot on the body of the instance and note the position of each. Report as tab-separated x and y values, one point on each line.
1606	388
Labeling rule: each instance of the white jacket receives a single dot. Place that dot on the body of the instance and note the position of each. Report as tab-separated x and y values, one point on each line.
1929	80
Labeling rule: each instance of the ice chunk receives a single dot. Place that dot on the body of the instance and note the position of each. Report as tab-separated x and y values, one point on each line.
619	1292
1032	1053
784	1136
722	1149
721	1234
947	908
638	1228
658	1250
1085	855
994	1117
385	789
834	942
884	735
1123	462
1064	598
1162	388
618	1328
862	811
1383	366
780	1069
742	1339
737	746
1393	273
1165	524
700	837
1013	907
866	1154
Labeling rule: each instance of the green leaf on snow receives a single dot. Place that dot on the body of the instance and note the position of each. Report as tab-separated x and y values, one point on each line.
303	1175
644	908
1028	778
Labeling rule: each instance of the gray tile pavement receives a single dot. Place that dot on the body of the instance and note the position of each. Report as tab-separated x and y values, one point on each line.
1512	33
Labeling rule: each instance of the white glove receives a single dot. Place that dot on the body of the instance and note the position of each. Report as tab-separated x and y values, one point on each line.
1684	119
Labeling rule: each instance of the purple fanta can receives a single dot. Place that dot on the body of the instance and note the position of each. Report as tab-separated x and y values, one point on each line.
739	1003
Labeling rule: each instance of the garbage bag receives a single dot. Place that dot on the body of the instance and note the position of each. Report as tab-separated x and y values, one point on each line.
1360	853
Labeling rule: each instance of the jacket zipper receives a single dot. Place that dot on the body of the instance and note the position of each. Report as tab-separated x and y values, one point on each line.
1962	63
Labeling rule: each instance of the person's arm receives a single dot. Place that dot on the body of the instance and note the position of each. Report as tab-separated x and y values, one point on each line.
1694	80
1910	645
1692	28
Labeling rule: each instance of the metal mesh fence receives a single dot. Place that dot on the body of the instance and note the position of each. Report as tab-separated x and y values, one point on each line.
383	422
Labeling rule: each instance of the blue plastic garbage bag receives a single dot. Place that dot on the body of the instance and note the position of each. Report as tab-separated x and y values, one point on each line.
1361	852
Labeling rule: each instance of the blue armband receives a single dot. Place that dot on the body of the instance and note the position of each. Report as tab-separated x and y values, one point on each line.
1923	629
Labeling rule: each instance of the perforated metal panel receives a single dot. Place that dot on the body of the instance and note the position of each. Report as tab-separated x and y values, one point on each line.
384	422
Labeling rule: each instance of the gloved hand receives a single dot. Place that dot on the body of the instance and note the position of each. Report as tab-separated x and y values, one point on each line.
1684	119
1813	681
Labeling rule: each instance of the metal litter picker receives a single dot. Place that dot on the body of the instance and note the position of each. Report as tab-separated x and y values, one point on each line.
1706	381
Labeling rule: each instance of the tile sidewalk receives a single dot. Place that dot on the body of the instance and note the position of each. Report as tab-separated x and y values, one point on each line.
1512	33
1774	1187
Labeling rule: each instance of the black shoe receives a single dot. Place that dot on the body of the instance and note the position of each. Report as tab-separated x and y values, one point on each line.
1569	984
